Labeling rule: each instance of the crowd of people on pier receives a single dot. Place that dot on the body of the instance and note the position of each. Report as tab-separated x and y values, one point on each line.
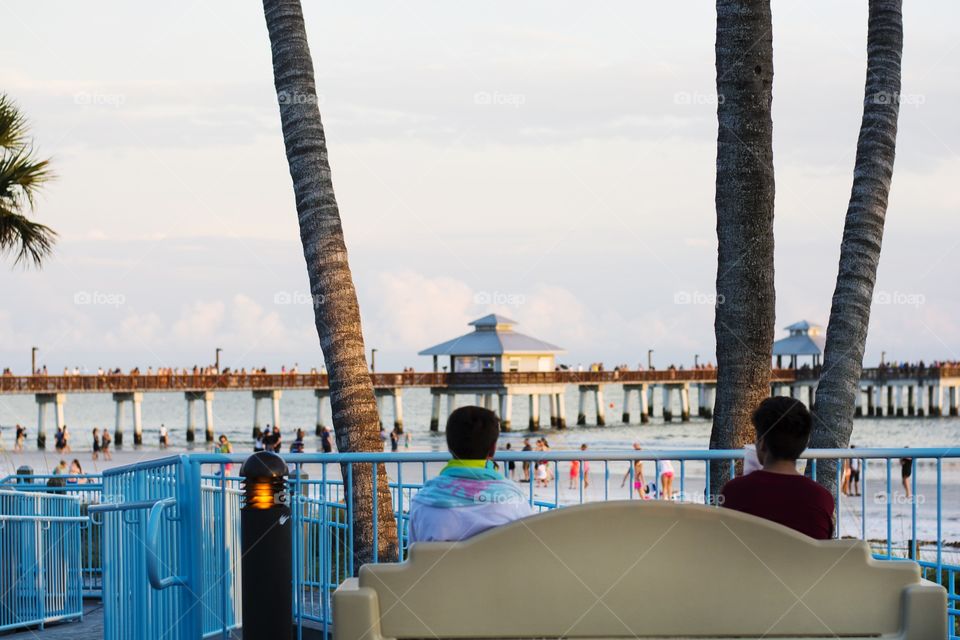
196	370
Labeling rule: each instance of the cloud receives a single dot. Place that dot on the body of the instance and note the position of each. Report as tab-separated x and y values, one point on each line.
200	322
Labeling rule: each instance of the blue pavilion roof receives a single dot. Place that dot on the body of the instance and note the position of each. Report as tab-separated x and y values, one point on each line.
493	335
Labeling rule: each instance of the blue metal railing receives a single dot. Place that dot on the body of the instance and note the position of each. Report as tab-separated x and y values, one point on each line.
171	526
88	488
40	572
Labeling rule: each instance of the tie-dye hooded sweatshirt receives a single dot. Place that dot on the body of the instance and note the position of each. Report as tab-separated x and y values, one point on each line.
468	497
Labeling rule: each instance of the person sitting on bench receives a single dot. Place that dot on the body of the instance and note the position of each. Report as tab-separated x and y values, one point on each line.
468	496
779	492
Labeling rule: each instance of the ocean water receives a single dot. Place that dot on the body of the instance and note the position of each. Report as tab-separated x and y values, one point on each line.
233	416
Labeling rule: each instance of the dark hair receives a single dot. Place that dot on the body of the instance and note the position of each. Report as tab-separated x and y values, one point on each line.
472	433
784	424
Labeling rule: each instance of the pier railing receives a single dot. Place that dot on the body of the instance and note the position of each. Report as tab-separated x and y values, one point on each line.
126	383
171	545
40	567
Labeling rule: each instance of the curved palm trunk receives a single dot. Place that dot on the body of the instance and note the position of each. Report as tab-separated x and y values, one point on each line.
336	310
862	236
744	322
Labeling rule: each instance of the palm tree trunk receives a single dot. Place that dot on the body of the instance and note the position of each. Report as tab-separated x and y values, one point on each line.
862	236
744	323
336	310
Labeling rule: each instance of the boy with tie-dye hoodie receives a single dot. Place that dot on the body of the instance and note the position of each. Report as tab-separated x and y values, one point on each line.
468	496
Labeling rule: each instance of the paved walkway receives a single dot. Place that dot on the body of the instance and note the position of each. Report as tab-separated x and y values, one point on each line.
90	628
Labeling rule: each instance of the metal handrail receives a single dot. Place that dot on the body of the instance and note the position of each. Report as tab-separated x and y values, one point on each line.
153	538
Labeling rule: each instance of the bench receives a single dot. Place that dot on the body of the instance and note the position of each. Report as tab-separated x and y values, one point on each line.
640	569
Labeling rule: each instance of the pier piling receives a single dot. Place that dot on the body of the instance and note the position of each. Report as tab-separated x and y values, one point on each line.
506	411
398	410
321	420
434	410
44	399
582	407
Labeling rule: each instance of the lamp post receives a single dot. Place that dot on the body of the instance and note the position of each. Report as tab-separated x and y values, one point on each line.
217	365
696	360
373	360
649	358
33	360
883	357
266	543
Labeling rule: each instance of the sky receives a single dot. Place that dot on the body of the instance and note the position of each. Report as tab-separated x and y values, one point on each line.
550	161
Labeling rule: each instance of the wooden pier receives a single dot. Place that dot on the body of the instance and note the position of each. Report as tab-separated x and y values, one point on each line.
931	391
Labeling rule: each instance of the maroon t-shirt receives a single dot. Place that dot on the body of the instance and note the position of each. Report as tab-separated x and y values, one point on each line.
793	501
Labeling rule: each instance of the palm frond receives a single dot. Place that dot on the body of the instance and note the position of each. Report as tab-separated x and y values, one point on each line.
13	124
27	240
21	176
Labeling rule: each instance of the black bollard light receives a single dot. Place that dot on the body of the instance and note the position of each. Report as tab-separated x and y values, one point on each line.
267	545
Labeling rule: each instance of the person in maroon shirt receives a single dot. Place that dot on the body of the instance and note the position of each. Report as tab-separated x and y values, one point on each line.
779	492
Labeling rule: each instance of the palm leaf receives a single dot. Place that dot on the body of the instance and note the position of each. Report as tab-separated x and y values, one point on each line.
13	125
28	240
22	175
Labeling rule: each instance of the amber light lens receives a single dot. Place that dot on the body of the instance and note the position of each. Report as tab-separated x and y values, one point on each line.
260	494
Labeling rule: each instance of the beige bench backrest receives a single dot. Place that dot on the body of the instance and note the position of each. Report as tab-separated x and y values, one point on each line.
632	569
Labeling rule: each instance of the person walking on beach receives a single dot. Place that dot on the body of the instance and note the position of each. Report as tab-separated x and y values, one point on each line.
164	437
96	443
297	446
575	471
906	470
326	440
639	484
276	438
20	438
267	439
105	441
223	445
257	440
59	440
854	483
394	441
666	480
511	464
526	463
586	468
845	477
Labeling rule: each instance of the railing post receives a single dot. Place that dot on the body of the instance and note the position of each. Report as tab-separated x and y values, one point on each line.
266	544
